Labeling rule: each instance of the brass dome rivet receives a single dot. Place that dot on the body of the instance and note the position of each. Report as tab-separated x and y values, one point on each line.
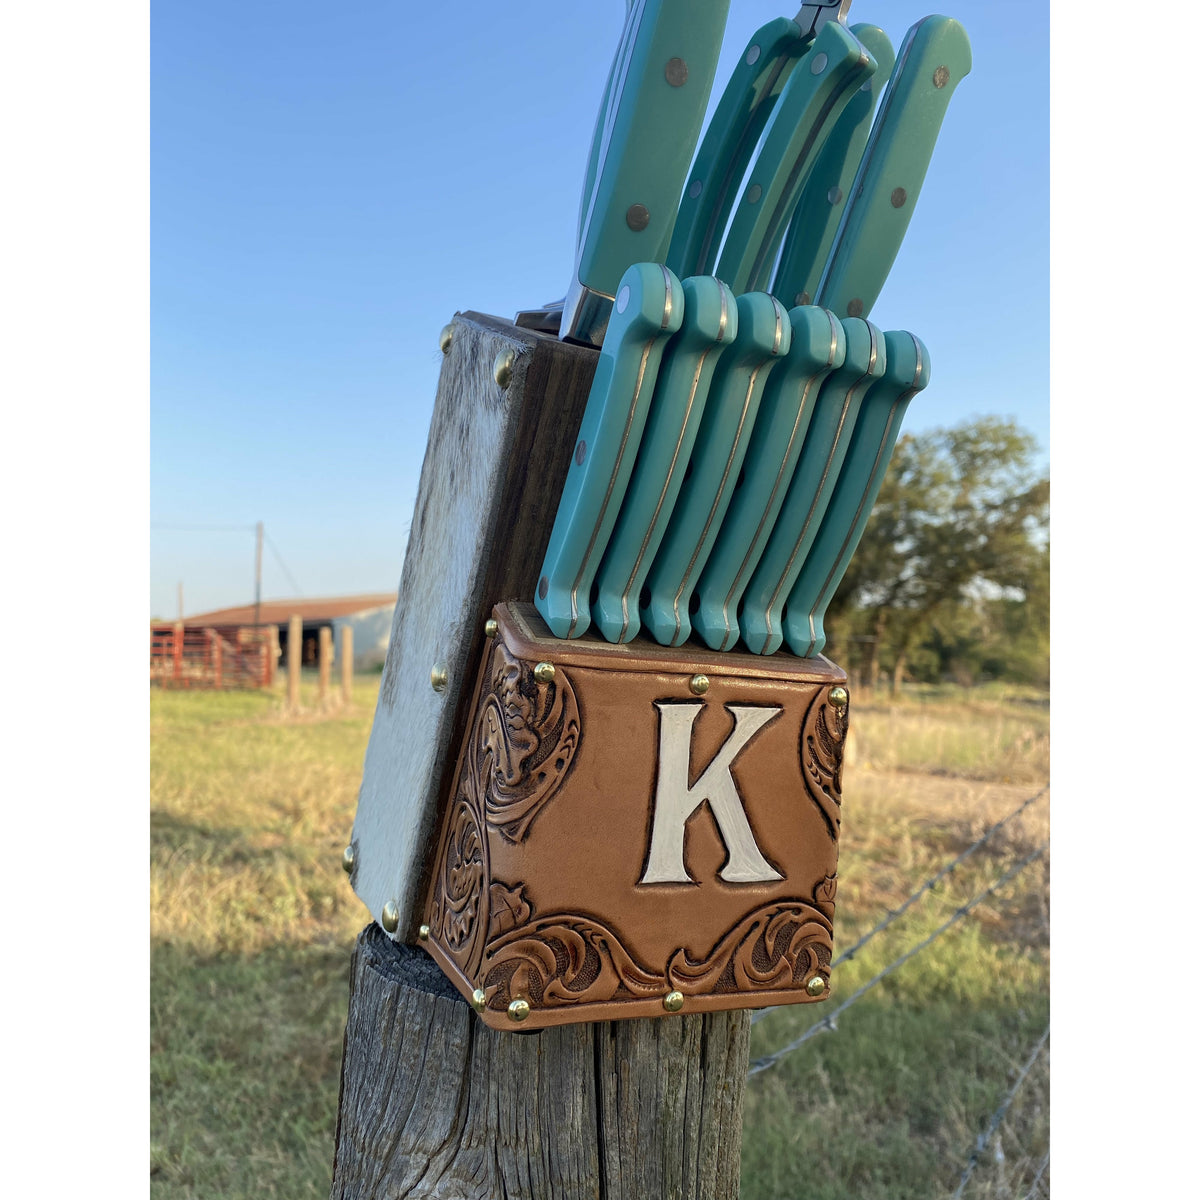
348	859
491	627
544	672
445	338
698	685
423	933
839	697
815	986
673	1001
478	1000
502	367
518	1010
390	917
439	676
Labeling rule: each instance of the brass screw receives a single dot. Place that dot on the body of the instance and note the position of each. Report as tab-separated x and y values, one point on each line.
502	367
544	672
439	677
390	917
348	859
445	338
673	1001
478	1000
839	697
815	986
423	933
698	685
491	627
518	1010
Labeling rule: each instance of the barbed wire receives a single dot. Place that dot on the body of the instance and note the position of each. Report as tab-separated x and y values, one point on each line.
981	1142
1033	1187
830	1022
929	884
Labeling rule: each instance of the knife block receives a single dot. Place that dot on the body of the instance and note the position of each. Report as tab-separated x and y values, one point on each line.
575	830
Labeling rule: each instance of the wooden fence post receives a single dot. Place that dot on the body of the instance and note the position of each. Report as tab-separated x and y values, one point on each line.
434	1103
294	647
214	641
347	652
324	660
177	651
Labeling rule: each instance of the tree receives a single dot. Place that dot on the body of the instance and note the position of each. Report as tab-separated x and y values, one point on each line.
955	555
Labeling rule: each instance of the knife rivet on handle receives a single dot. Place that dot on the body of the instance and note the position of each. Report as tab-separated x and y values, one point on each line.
445	338
819	63
502	367
695	189
854	308
623	299
580	452
753	194
899	195
752	55
941	77
676	72
638	217
803	298
835	195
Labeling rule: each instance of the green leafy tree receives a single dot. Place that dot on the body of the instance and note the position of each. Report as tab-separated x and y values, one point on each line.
953	568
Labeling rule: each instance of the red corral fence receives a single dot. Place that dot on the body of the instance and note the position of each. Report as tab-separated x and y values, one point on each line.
210	658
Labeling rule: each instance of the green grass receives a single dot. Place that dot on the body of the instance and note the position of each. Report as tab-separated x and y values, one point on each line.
252	925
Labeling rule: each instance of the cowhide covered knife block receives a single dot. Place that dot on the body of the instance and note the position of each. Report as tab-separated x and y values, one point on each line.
575	830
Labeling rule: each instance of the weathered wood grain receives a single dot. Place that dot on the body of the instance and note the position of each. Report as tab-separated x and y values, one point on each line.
494	469
434	1104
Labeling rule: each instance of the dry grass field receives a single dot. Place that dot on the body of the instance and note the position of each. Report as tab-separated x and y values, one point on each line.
252	924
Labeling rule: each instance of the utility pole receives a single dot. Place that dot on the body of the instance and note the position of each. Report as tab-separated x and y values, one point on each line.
257	573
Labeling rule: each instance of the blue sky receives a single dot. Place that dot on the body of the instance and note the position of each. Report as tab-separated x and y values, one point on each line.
330	183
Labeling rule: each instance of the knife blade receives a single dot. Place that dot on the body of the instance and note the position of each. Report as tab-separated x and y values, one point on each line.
710	326
818	347
934	56
736	126
647	311
810	235
808	495
763	340
660	86
820	87
858	484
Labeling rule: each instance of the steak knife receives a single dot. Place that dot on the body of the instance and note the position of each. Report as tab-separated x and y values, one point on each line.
647	311
761	618
656	98
818	347
710	325
763	340
857	487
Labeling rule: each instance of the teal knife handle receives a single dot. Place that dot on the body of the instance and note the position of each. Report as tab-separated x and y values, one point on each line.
818	347
761	618
821	85
763	340
659	95
710	325
602	116
647	311
858	485
729	142
810	235
934	56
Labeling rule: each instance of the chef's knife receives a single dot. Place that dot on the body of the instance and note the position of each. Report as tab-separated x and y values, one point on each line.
656	101
858	485
761	617
710	325
736	126
934	56
764	338
647	311
820	87
818	347
814	223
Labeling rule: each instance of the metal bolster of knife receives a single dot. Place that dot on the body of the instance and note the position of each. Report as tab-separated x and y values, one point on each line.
870	450
818	347
648	309
710	326
761	618
764	339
